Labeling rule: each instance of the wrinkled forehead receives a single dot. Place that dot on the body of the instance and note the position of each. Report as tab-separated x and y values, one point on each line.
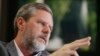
45	17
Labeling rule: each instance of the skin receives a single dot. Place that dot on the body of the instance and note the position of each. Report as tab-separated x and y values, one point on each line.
70	49
33	36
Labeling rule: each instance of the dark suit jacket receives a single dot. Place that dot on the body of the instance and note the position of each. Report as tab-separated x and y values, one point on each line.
3	50
12	51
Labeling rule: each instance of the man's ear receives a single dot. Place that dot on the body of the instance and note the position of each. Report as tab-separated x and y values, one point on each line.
20	23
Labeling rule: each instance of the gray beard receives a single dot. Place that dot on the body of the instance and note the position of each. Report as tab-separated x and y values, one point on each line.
34	45
38	46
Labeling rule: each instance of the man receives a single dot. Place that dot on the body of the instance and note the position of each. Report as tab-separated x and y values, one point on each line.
33	25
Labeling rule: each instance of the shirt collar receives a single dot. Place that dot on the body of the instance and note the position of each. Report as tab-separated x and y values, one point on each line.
18	50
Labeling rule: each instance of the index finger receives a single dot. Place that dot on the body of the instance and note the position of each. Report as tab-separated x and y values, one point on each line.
80	43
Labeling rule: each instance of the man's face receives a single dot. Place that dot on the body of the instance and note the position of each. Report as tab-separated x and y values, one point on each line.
38	29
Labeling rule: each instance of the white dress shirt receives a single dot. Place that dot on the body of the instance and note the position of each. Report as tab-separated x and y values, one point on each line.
18	50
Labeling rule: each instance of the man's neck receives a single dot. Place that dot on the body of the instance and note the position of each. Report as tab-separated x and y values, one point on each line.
25	50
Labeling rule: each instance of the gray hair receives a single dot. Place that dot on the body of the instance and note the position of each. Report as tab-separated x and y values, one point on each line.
29	9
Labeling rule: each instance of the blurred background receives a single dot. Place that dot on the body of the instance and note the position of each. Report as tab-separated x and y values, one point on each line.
73	19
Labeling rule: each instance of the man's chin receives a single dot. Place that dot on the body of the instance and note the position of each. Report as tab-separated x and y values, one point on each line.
39	46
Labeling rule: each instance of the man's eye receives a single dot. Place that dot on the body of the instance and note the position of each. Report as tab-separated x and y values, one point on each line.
42	23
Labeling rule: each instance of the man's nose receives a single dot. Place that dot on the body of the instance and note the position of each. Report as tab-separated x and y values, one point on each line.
46	30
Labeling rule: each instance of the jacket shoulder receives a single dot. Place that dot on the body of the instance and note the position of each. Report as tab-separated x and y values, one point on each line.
3	51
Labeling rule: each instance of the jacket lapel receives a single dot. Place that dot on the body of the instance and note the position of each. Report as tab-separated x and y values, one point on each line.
12	49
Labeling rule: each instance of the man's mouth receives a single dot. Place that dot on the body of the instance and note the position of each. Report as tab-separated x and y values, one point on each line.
43	38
